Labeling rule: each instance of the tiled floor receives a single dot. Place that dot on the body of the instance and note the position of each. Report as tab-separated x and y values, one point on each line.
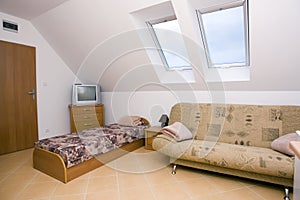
18	180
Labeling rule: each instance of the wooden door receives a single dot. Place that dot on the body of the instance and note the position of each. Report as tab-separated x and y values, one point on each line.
18	107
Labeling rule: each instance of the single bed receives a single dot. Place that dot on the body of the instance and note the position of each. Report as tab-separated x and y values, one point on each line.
71	155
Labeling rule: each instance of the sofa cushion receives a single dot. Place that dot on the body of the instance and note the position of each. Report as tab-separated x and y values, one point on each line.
247	125
247	158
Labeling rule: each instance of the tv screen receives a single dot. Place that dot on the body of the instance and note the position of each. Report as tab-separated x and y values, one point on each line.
85	94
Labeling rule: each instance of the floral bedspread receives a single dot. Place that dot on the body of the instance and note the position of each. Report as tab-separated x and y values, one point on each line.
75	148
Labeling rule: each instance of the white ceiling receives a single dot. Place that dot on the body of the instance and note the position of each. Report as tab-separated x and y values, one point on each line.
28	9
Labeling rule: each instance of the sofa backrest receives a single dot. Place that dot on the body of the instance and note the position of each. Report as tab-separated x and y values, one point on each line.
251	125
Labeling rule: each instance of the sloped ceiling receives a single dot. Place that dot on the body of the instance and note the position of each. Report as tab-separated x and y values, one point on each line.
91	33
97	40
28	9
78	29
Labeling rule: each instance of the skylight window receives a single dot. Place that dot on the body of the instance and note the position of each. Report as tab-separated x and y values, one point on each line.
170	44
224	33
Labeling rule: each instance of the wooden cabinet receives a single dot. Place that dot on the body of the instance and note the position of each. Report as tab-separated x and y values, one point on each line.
85	117
150	134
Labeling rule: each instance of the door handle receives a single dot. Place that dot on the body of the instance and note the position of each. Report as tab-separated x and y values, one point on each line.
32	93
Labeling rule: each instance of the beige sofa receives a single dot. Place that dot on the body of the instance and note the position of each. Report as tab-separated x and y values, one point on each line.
233	139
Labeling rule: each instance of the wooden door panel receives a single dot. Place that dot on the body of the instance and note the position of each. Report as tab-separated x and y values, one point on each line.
7	128
18	116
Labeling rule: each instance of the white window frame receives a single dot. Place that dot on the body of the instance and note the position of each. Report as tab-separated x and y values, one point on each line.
246	31
158	46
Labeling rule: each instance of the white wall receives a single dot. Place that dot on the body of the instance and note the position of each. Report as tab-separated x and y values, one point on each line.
54	79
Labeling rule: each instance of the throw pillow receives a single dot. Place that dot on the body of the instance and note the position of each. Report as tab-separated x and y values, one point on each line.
282	144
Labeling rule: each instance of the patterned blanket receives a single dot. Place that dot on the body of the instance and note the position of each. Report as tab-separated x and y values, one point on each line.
75	148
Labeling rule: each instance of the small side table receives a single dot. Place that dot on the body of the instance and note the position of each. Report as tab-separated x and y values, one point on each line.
150	134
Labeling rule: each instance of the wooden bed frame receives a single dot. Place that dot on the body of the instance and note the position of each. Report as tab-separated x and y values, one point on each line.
53	165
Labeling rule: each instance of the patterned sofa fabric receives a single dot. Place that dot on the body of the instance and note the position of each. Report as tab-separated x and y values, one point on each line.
249	125
250	159
234	137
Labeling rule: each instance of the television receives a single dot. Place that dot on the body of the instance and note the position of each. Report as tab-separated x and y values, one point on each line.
85	94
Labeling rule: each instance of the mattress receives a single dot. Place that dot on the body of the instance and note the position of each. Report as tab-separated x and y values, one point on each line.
75	148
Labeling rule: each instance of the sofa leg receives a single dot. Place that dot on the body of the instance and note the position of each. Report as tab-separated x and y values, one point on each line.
286	194
174	169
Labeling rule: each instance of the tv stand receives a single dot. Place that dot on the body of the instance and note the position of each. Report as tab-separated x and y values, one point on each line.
86	116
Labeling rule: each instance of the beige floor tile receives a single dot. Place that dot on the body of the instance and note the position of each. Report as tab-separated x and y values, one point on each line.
14	160
111	195
6	156
225	183
3	177
41	177
184	174
269	191
128	180
173	191
160	177
69	197
26	169
152	161
127	163
243	193
103	171
142	192
18	178
84	176
99	184
8	195
38	190
19	156
11	191
210	197
9	167
77	186
198	187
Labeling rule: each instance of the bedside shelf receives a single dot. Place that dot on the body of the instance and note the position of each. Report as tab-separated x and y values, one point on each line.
150	134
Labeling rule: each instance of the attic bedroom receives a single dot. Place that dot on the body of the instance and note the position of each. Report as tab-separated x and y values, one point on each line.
146	58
